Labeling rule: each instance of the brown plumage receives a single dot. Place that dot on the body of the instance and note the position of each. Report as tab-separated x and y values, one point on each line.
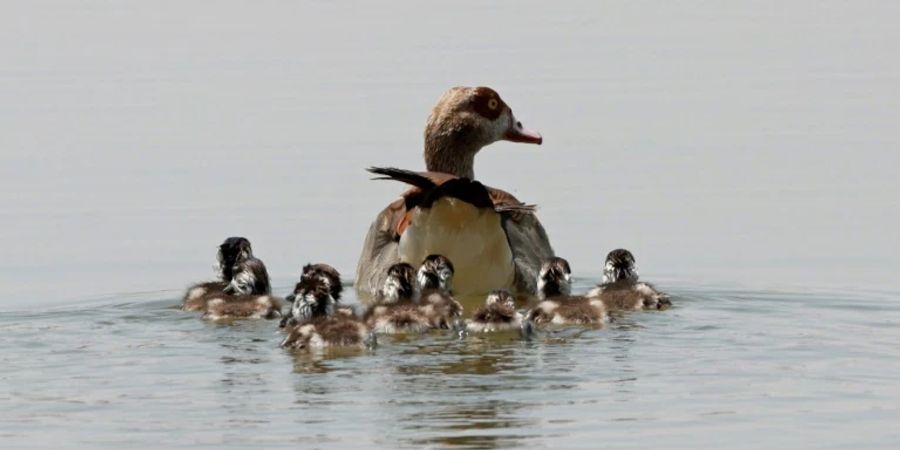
240	274
441	309
196	297
621	289
498	314
318	323
628	295
242	307
435	310
405	308
328	274
319	281
327	332
568	310
557	307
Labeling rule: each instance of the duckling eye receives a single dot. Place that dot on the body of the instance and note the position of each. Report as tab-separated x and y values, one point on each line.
493	104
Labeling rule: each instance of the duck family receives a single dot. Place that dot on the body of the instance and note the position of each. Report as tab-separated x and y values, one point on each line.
448	234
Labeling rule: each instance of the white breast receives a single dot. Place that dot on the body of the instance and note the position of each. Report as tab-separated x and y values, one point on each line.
470	237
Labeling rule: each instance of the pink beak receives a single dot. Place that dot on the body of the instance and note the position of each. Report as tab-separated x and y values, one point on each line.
518	133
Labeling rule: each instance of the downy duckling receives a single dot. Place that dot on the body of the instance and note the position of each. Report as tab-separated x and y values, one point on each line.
318	324
557	306
435	277
403	307
396	310
231	251
313	297
498	314
326	276
239	273
621	289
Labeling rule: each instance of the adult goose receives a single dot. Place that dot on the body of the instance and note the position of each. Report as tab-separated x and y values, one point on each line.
494	240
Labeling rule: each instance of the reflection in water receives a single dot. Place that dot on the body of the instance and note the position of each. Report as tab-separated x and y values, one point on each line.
460	393
476	424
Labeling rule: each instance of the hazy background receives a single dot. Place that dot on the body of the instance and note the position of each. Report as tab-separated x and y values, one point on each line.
752	144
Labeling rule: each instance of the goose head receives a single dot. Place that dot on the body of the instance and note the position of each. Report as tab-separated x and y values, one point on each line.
464	120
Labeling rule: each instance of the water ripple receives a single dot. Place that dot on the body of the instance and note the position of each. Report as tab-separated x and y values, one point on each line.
720	361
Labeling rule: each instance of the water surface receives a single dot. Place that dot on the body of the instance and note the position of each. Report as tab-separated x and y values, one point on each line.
723	368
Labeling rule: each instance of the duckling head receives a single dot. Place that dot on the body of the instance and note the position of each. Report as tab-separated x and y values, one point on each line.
399	284
231	252
619	266
311	299
327	274
555	278
436	273
249	277
501	297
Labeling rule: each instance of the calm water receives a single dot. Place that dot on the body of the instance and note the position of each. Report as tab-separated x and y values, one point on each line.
724	368
745	152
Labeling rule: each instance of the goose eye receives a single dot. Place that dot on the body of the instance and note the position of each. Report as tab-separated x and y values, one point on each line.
493	104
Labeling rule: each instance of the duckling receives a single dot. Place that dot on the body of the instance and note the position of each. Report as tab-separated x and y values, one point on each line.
239	273
621	289
328	278
498	314
317	324
396	310
557	306
403	307
247	296
313	297
397	319
435	277
229	253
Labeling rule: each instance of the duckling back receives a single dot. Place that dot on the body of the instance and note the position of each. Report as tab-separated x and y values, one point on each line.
397	319
242	307
326	332
568	311
625	295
